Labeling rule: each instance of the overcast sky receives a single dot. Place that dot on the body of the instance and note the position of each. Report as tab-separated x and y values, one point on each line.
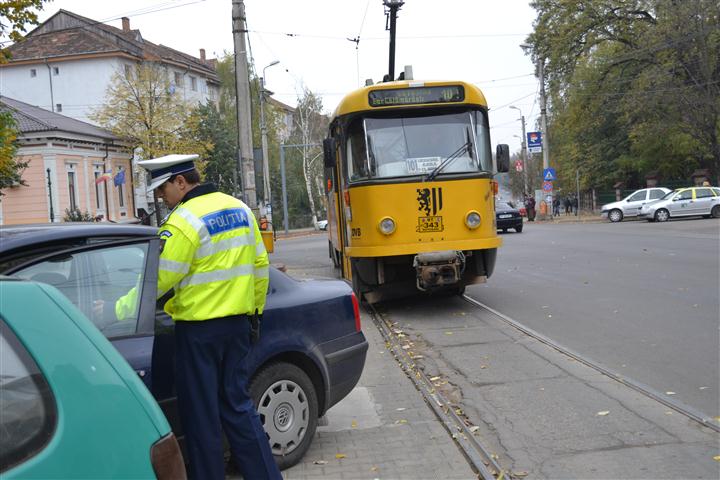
472	40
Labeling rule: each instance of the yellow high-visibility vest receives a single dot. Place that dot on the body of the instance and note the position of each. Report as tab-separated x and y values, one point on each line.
214	258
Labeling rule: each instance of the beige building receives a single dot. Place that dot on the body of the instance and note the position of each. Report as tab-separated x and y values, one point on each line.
73	165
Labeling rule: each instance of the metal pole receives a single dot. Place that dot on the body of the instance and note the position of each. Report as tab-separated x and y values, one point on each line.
267	194
524	154
394	6
284	188
52	213
543	115
242	83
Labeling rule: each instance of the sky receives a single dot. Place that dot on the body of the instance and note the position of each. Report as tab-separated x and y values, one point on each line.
477	41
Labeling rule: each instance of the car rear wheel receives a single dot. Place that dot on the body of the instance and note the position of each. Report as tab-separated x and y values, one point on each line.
519	228
615	215
715	212
287	403
662	215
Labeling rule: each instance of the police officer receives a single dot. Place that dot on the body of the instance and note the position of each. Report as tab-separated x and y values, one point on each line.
214	258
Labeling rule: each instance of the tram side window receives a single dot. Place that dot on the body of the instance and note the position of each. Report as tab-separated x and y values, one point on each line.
357	160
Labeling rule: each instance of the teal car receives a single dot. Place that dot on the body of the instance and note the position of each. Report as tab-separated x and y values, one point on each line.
70	405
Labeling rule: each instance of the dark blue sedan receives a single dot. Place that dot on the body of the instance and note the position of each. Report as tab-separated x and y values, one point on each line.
310	355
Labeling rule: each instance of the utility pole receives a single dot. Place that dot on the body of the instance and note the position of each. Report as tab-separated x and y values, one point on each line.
267	197
523	153
246	164
392	7
543	115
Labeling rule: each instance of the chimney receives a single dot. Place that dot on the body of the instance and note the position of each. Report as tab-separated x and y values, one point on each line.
126	24
202	55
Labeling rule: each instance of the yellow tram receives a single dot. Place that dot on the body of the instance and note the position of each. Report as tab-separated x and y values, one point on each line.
409	182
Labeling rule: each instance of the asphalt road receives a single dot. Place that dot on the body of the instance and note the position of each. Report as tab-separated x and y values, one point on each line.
638	298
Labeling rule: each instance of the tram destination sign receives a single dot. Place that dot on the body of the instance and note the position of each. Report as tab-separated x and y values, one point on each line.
416	96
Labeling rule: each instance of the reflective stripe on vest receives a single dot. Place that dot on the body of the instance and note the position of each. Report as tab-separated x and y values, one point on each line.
173	266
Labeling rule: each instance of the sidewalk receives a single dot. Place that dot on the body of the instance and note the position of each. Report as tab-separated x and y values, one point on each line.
584	217
382	430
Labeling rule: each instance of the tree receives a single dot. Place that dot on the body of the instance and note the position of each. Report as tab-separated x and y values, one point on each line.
310	128
10	168
220	148
14	16
633	86
141	106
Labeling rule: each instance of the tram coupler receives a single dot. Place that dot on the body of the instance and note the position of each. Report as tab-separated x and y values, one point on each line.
438	269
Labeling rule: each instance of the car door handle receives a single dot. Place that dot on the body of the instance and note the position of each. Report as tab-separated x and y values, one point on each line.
141	373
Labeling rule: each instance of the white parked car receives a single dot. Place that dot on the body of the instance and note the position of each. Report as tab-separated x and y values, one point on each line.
684	202
630	205
322	224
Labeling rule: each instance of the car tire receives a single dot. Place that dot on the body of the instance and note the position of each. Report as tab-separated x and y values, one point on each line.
287	403
715	212
504	230
333	255
662	215
519	229
615	215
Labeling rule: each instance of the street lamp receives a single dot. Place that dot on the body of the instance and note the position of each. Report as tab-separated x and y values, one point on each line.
523	153
263	134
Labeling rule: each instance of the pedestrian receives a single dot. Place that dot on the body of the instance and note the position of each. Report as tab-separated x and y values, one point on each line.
530	207
566	204
575	205
214	258
556	207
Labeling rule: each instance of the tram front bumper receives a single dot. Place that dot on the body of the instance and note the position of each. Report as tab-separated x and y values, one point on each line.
438	269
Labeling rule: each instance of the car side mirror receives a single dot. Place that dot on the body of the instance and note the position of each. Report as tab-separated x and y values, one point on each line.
502	155
329	148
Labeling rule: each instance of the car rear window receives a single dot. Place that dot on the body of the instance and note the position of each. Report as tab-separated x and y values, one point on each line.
28	409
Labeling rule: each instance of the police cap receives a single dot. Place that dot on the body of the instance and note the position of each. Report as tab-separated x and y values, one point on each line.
162	168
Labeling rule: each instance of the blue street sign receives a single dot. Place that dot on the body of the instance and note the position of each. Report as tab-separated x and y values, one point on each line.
549	175
547	186
534	142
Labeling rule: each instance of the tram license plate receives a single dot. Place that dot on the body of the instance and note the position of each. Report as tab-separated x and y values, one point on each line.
429	224
505	216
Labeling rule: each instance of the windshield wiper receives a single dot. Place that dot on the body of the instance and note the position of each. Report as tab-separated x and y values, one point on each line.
467	146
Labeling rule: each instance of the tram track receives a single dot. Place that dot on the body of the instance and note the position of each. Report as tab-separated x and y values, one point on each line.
482	461
462	431
679	407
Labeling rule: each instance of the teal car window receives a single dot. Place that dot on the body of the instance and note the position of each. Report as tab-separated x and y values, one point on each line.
28	409
94	280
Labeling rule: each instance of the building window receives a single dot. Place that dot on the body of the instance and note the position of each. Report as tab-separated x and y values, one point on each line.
56	71
58	107
178	79
99	192
72	188
33	73
121	193
193	84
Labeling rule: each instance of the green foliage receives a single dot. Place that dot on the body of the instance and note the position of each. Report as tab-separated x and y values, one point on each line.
15	15
140	107
10	168
634	88
75	215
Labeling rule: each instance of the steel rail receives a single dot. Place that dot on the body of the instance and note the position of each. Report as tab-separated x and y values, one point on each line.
482	461
679	407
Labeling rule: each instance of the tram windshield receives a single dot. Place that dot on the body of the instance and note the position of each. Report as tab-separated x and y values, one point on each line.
381	147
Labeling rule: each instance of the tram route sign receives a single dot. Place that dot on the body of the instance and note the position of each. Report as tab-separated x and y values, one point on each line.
416	96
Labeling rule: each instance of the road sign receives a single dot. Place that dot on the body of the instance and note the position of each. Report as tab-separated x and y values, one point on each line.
534	142
549	175
518	166
547	186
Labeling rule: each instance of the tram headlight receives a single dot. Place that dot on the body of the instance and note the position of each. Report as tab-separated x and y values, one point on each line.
472	220
387	226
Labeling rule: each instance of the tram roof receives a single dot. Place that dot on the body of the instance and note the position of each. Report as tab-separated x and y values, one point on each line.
358	100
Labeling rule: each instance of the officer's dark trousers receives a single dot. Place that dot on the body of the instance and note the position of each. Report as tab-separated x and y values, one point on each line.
213	392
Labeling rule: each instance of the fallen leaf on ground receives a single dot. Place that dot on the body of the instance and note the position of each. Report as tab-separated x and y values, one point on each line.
340	455
483	367
474	429
603	413
520	474
353	424
448	333
374	469
669	393
320	462
716	458
401	422
669	412
703	388
401	409
434	379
